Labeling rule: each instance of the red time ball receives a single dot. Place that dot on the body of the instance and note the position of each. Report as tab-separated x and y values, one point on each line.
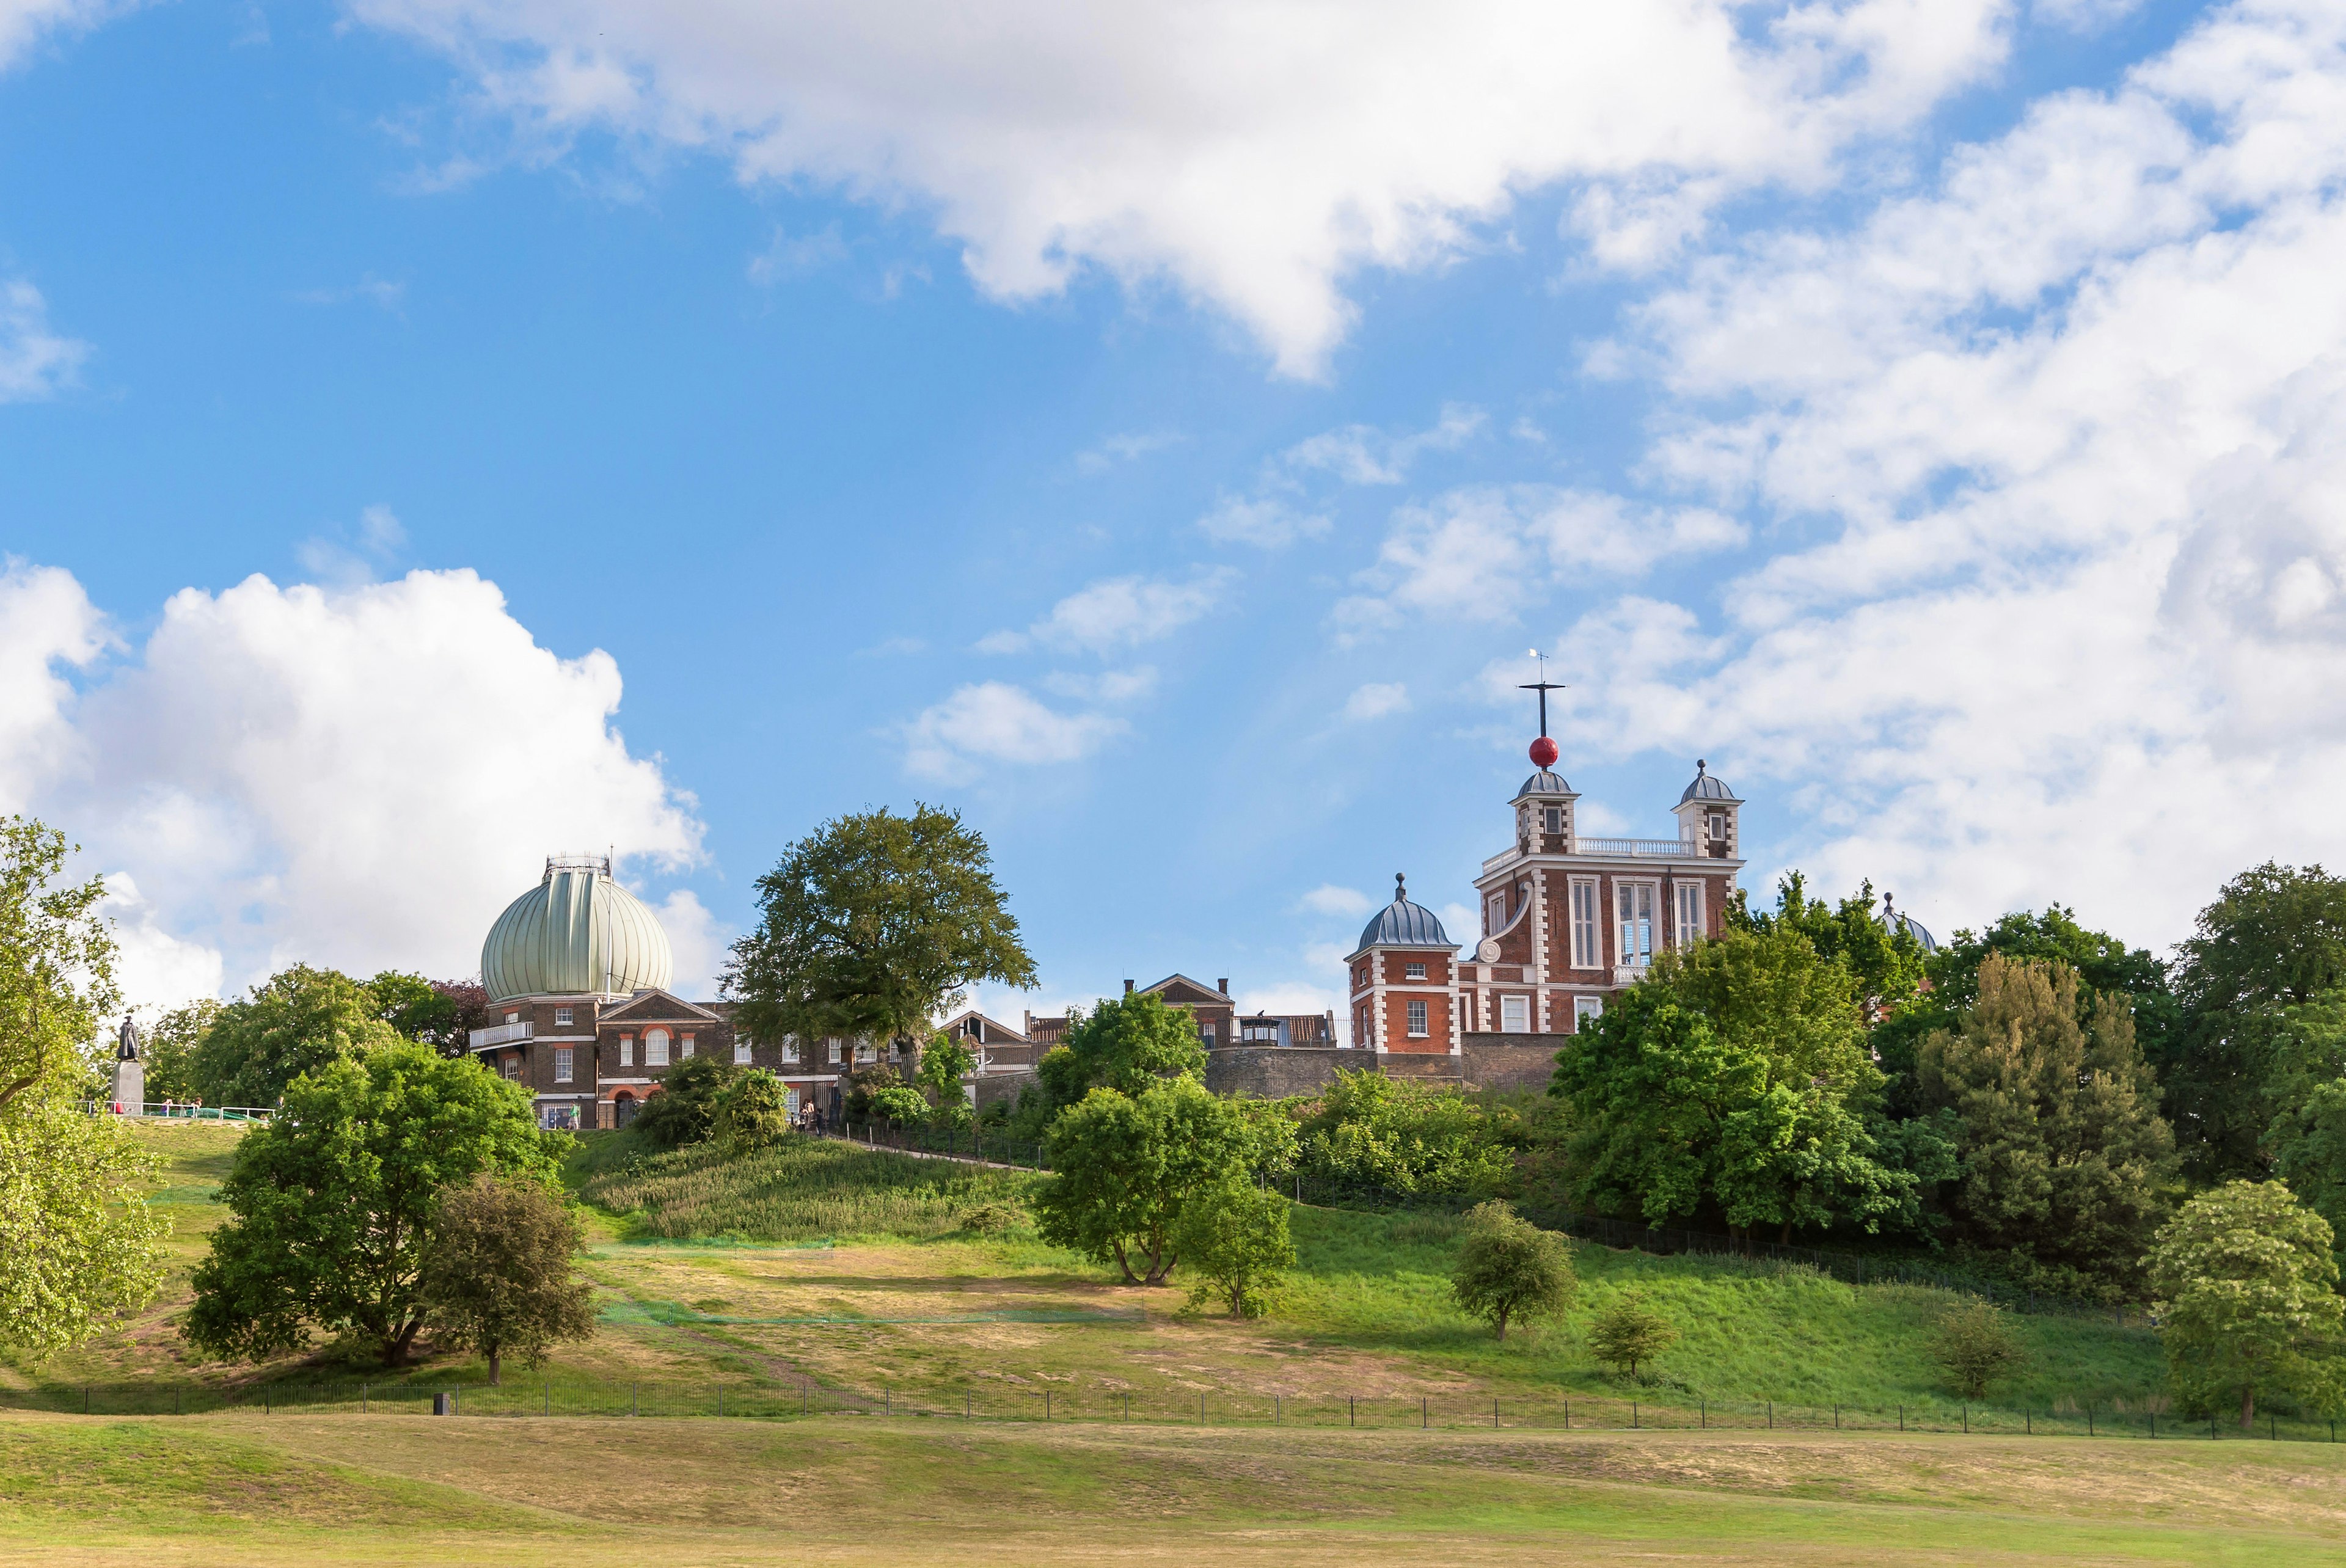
1543	752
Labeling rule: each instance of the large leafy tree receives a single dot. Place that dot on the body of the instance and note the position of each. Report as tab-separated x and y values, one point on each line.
2066	1164
1126	1165
1884	962
2247	1299
172	1049
331	1204
1127	1044
2274	938
442	1014
76	1240
1736	1077
2306	1139
293	1023
872	926
499	1272
1371	1130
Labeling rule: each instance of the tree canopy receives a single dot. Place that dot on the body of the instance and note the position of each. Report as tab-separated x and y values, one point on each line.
1233	1235
870	926
331	1201
498	1272
1884	962
1125	1165
78	1243
1369	1131
1125	1043
293	1023
1509	1270
2247	1299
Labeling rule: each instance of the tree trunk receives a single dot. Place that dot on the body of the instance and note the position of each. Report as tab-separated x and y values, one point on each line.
395	1348
493	1365
1503	1311
1129	1277
1788	1234
2248	1409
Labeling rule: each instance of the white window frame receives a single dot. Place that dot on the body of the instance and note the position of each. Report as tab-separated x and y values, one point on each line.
1494	915
1585	1008
1413	972
513	1017
742	1050
1587	925
866	1052
838	1053
1716	820
1552	820
684	1046
626	1050
562	1060
510	1069
1514	1014
1418	1027
562	1017
655	1047
790	1050
1634	947
1687	924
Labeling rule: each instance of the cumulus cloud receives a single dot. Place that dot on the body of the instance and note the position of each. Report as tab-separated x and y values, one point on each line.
1252	157
35	361
24	23
358	777
1277	511
1330	899
1375	699
1119	612
2066	436
697	940
995	722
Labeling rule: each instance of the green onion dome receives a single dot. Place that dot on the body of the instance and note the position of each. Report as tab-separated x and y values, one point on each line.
576	932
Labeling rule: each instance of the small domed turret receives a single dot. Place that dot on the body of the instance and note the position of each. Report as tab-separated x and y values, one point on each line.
1401	923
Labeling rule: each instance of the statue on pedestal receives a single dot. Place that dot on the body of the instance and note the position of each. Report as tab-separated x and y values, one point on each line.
129	1070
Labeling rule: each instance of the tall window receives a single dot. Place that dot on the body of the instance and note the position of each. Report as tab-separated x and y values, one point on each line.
1689	929
791	1049
1417	1020
655	1047
562	1063
1635	902
1494	917
740	1051
1584	952
562	1016
513	1069
1515	1016
1718	826
837	1054
1554	815
626	1050
684	1047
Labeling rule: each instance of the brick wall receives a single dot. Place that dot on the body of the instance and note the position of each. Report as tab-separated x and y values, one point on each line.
1275	1072
1511	1061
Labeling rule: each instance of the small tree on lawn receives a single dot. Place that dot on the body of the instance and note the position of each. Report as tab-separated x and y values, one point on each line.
1976	1346
1510	1270
498	1272
752	1112
1234	1236
1126	1165
1628	1331
2247	1297
943	1064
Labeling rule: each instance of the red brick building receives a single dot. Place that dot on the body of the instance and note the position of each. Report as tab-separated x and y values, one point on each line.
1567	918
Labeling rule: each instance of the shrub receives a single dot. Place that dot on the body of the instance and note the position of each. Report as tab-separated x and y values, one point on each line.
992	1218
1976	1346
899	1107
1234	1236
1510	1270
685	1109
752	1112
1630	1331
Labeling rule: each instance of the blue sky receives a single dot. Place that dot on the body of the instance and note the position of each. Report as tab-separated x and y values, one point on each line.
1160	439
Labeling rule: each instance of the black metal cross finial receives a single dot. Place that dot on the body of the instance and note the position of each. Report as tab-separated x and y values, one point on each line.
1543	685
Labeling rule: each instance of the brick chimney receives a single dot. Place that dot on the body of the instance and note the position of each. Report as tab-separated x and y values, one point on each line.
1223	985
1128	988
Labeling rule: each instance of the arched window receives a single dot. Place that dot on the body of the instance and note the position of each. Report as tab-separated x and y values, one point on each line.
655	1047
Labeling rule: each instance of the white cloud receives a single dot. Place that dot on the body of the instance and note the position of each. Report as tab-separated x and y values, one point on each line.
993	722
787	255
383	294
697	940
155	968
1362	454
1119	612
23	22
1269	520
1293	998
1251	155
1487	553
1331	900
1376	700
327	559
2064	438
1127	448
360	778
1110	686
34	361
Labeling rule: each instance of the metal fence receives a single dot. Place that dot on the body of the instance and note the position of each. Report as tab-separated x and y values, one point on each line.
174	1111
988	1146
998	1400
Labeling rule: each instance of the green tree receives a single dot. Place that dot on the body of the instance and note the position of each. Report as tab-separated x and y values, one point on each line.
171	1050
293	1024
1630	1332
1510	1270
872	926
752	1112
78	1243
1125	1165
1234	1237
498	1274
1975	1345
438	1013
2307	1138
1735	1076
899	1105
684	1111
939	1075
330	1202
2066	1161
2274	938
1884	962
1125	1043
1371	1130
2247	1299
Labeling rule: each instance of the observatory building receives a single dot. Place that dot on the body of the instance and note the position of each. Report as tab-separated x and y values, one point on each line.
577	971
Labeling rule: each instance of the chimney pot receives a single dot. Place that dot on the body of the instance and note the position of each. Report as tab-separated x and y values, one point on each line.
1128	988
1223	985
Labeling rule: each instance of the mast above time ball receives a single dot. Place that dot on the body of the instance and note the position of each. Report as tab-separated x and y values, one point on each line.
1543	752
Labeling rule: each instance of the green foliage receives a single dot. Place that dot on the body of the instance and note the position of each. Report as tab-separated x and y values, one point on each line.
77	1242
293	1023
1127	1164
1630	1331
2275	938
943	1064
2065	1159
684	1111
864	1083
1735	1078
497	1275
752	1112
437	1013
1371	1130
801	1189
992	1218
171	1050
331	1200
899	1107
1125	1043
1510	1270
2307	1138
870	926
1233	1235
2248	1303
1885	965
1976	1346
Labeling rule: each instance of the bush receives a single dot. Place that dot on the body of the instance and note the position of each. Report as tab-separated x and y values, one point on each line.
1509	1269
1630	1331
898	1106
1976	1346
752	1112
1234	1236
684	1111
992	1218
1371	1131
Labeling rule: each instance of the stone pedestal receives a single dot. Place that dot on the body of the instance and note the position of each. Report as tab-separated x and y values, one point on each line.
130	1087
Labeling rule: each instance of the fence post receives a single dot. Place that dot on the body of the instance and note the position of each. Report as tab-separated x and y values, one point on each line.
1703	1414
1201	1407
545	1397
2153	1423
1352	1411
1494	1415
175	1401
1127	1406
1772	1415
1836	1418
720	1399
1568	1415
2089	1418
2027	1421
1967	1416
1902	1418
633	1408
1424	1417
1633	1415
362	1399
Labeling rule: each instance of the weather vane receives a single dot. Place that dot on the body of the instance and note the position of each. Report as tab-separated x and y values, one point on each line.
1544	751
